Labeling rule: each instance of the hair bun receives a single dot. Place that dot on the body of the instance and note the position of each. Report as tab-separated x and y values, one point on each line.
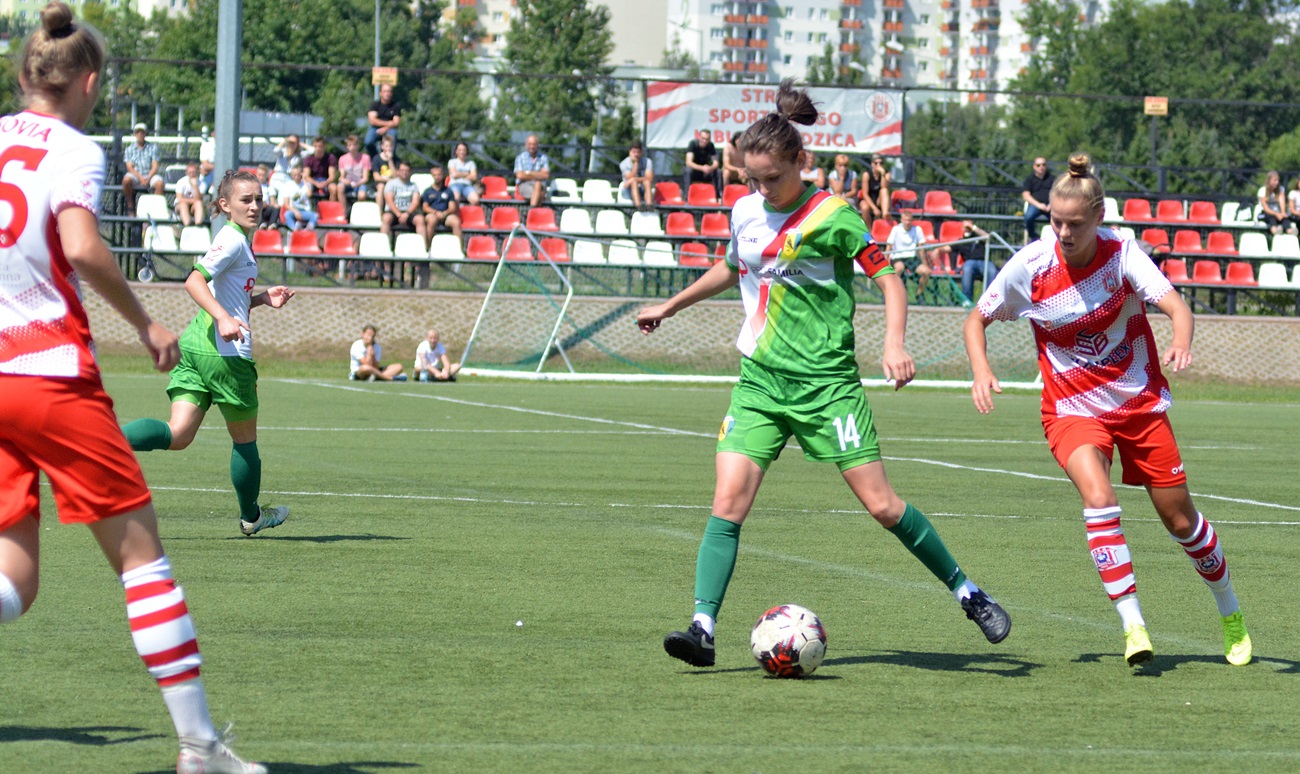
1080	165
56	19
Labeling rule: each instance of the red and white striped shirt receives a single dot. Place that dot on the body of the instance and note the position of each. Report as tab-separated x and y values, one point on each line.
45	166
1096	351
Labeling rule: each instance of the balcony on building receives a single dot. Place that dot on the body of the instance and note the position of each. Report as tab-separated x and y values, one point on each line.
951	26
986	25
979	96
850	48
733	42
979	50
734	67
756	67
983	3
853	3
891	74
892	26
948	5
894	3
734	18
1026	48
758	42
756	18
850	24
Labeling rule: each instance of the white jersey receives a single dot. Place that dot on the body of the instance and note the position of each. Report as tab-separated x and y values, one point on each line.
46	166
427	357
358	351
1096	351
231	271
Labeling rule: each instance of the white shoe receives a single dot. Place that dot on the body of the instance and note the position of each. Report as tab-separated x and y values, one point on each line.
271	516
213	757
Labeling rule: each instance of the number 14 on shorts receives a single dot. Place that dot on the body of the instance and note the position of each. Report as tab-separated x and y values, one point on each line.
847	430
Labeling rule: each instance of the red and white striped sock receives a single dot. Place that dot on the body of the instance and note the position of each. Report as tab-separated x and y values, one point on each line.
1110	551
163	633
1202	547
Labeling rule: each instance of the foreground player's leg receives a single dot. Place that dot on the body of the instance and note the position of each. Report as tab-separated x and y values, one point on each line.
1110	553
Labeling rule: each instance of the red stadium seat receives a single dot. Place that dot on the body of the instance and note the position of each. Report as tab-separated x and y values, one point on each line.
268	242
330	213
482	248
1187	241
702	195
504	218
721	250
339	243
732	192
520	249
938	203
880	230
927	229
304	242
695	254
495	188
472	217
1157	238
942	265
1170	211
902	200
1204	212
715	224
1176	270
1240	273
680	224
1220	243
1137	210
950	231
556	249
1207	273
541	219
669	193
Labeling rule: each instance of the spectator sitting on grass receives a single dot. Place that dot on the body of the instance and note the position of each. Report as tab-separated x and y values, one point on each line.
431	361
366	356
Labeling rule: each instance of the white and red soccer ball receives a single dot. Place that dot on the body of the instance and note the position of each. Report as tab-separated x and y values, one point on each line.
788	641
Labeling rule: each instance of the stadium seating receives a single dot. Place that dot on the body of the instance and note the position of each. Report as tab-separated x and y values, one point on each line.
1273	275
1253	244
364	215
646	224
565	189
541	219
1176	270
1111	207
1295	276
597	191
680	224
374	245
1220	243
1137	210
668	193
589	252
624	252
1240	273
160	239
942	264
304	242
949	231
195	239
495	188
554	248
504	218
152	207
902	200
938	203
519	249
410	246
267	241
340	243
732	192
610	222
702	195
927	229
330	213
880	230
715	225
482	248
659	254
1156	237
575	220
472	217
695	254
1170	211
1207	273
445	247
1203	213
1284	246
1187	241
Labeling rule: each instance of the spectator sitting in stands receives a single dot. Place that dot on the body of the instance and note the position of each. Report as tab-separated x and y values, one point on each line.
1273	204
431	361
733	169
843	181
366	356
270	208
904	247
462	175
383	167
439	204
977	264
638	177
295	196
189	196
1293	207
532	171
207	158
383	119
873	198
354	173
288	154
702	162
810	173
1037	194
141	159
402	198
322	170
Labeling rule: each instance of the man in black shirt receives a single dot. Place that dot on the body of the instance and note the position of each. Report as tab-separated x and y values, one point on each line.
1037	192
702	162
384	117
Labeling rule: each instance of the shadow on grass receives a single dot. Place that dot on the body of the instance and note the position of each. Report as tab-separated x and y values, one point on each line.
95	736
313	538
1160	664
983	663
357	767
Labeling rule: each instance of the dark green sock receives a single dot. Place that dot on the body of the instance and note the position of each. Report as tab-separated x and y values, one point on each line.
148	435
246	475
713	566
918	534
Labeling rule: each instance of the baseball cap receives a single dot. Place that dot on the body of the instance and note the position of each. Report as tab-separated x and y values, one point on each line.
140	127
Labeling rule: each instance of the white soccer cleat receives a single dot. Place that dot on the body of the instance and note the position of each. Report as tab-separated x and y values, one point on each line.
213	757
271	516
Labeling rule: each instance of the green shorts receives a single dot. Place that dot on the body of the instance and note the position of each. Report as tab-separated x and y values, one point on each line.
829	416
229	382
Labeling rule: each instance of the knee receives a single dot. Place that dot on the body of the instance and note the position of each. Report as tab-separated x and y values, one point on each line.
16	597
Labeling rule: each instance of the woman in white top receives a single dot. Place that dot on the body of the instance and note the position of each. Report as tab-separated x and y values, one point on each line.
904	246
462	175
812	174
1272	203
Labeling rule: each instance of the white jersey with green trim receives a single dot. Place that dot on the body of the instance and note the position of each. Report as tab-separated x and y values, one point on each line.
796	281
231	271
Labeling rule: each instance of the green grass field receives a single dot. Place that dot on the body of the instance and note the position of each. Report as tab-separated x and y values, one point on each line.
376	630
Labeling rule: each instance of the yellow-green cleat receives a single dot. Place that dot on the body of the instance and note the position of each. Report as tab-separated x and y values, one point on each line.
1236	642
1137	645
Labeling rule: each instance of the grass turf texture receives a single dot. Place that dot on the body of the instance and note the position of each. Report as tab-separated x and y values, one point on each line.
375	631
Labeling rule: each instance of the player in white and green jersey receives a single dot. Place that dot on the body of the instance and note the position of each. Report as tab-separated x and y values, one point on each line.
792	252
217	353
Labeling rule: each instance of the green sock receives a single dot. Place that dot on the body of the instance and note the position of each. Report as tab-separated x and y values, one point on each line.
246	475
714	564
920	537
148	435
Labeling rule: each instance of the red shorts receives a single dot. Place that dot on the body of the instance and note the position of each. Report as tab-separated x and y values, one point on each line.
1147	448
65	428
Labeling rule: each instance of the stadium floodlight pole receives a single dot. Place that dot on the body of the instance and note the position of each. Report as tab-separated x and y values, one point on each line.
230	40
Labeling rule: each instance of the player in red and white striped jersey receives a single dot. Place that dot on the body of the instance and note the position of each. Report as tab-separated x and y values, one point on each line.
54	414
1085	293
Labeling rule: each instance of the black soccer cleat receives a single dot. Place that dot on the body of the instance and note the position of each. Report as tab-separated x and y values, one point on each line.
988	615
693	646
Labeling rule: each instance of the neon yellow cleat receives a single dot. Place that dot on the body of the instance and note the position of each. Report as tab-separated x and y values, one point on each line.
1137	645
1236	642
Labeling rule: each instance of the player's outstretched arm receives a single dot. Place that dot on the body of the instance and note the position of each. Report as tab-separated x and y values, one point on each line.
894	360
1179	354
93	262
985	383
711	283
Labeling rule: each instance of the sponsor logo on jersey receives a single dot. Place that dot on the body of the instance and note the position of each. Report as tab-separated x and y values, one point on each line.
1105	557
1121	352
792	242
1090	343
776	271
728	422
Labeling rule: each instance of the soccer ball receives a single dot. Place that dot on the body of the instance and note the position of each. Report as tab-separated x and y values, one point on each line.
788	641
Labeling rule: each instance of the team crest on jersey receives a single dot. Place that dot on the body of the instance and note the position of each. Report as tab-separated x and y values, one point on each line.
728	422
1105	558
1209	564
792	242
1090	343
1110	282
